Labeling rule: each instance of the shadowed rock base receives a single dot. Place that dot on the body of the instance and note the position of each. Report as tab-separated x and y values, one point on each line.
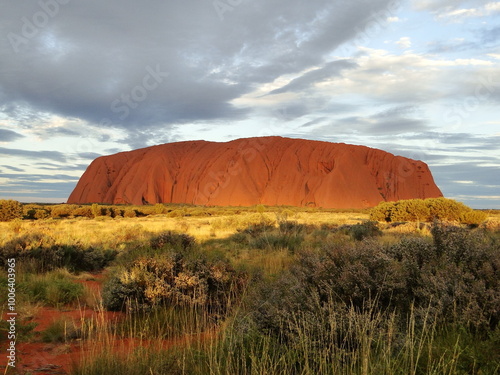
266	170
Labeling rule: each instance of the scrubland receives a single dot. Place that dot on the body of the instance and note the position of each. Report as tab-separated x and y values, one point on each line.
259	290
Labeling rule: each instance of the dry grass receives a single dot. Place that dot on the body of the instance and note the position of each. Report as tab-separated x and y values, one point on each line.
108	232
231	351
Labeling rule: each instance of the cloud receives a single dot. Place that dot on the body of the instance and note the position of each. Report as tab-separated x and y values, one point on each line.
455	10
440	5
36	187
51	155
404	42
89	155
308	79
57	131
15	169
59	167
490	35
454	45
167	63
393	121
9	135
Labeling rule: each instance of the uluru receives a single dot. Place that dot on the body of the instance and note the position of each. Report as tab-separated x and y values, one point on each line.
250	171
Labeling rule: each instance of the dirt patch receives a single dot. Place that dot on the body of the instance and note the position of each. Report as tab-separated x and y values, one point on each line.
42	358
37	357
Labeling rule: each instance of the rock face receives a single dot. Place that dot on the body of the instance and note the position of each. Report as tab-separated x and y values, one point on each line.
267	170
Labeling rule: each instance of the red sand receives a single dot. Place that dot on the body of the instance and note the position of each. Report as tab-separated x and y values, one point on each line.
267	170
59	358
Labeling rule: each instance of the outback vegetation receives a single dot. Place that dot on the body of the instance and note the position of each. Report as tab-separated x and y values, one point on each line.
410	287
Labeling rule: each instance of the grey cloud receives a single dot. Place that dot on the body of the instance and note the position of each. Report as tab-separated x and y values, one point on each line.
59	167
448	5
308	79
451	47
491	35
316	121
34	187
481	38
51	155
44	190
467	171
96	68
395	121
110	151
56	131
485	183
9	135
89	155
38	177
15	169
460	140
397	126
392	121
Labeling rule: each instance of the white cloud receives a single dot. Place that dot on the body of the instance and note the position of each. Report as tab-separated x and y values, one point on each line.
404	42
493	7
385	77
458	15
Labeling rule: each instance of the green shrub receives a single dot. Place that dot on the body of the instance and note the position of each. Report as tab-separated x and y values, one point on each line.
159	209
426	210
276	241
129	213
96	210
118	294
42	214
453	280
42	254
10	210
292	227
473	217
174	279
84	211
77	258
364	230
24	329
289	235
62	211
255	230
60	331
54	288
169	239
176	213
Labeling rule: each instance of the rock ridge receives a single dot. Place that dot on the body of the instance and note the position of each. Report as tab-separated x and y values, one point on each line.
249	171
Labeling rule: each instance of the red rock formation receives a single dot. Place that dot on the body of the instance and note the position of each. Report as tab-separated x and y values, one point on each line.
268	170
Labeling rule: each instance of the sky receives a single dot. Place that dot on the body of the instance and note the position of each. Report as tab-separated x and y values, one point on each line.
81	79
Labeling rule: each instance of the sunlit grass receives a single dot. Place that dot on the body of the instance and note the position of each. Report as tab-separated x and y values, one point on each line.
190	340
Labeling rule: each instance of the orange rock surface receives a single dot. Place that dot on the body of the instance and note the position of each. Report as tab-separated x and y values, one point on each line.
266	170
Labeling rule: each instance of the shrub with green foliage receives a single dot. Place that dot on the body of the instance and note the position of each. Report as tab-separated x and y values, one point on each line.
174	278
129	213
169	239
427	210
453	280
54	288
61	331
63	210
263	235
84	211
43	254
10	210
365	230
